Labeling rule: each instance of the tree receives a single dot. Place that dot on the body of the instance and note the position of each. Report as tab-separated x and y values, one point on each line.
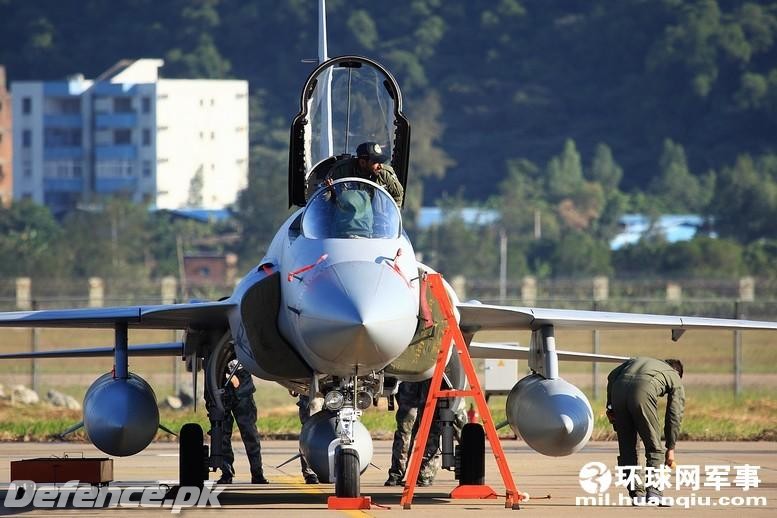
676	187
604	169
429	159
520	196
30	241
164	233
703	257
705	41
578	254
195	189
692	43
607	225
111	242
578	202
640	259
263	205
564	172
363	28
456	247
583	207
745	204
758	92
760	258
196	52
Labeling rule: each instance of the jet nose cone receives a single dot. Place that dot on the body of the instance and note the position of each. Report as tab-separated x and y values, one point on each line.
357	316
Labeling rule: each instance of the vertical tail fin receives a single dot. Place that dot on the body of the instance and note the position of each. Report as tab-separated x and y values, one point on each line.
327	145
322	49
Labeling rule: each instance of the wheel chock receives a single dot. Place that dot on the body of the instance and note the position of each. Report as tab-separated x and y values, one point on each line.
344	503
473	492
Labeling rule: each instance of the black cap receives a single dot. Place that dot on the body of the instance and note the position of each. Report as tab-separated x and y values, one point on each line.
371	151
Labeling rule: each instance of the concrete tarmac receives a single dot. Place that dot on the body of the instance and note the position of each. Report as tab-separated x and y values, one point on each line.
553	484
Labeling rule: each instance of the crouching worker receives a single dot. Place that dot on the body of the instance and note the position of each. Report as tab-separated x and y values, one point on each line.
633	390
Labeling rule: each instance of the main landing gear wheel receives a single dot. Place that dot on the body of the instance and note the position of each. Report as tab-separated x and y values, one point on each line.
347	473
473	455
193	456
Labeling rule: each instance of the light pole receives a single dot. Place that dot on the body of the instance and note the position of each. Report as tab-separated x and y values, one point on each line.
502	266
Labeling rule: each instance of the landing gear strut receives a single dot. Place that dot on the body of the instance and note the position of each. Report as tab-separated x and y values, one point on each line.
345	463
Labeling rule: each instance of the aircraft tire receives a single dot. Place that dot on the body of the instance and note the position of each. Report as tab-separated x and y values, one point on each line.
347	473
192	467
473	455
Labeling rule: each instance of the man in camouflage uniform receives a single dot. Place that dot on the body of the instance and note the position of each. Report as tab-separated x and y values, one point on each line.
239	406
369	163
633	389
431	461
413	399
407	409
303	405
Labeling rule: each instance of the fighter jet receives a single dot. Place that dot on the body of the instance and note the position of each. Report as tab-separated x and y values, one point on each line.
339	307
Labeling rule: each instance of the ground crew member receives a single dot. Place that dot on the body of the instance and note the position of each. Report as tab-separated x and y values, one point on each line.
303	404
407	410
413	399
369	164
430	462
239	406
633	389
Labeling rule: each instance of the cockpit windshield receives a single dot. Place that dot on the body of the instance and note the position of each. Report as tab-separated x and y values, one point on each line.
349	209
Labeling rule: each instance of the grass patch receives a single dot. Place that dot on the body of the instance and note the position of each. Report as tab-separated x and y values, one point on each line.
718	415
713	415
710	415
43	422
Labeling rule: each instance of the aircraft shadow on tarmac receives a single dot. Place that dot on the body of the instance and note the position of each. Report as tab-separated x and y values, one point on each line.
286	496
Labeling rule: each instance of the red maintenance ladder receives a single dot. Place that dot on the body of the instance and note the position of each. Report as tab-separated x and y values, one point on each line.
453	336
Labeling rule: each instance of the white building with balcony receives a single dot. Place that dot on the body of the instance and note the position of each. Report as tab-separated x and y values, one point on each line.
170	143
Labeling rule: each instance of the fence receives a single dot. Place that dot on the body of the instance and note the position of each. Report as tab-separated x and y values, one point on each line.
721	359
74	376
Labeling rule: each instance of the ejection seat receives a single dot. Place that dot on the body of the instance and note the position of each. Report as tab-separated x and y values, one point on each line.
320	172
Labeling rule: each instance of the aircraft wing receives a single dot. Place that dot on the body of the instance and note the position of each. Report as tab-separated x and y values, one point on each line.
484	317
197	315
517	352
146	350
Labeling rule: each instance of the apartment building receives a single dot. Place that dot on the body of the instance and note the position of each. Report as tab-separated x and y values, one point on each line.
169	143
6	142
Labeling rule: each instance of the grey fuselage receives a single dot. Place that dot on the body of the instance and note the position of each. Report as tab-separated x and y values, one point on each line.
348	305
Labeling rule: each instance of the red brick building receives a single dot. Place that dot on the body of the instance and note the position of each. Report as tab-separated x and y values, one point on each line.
204	270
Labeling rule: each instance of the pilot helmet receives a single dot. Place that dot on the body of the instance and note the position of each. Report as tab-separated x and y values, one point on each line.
371	151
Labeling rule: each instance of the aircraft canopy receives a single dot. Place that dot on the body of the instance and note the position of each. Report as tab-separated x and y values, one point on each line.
346	101
351	208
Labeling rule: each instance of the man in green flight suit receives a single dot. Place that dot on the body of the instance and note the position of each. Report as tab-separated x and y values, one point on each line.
633	389
369	164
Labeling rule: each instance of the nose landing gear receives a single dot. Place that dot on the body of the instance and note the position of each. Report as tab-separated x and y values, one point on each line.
347	474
